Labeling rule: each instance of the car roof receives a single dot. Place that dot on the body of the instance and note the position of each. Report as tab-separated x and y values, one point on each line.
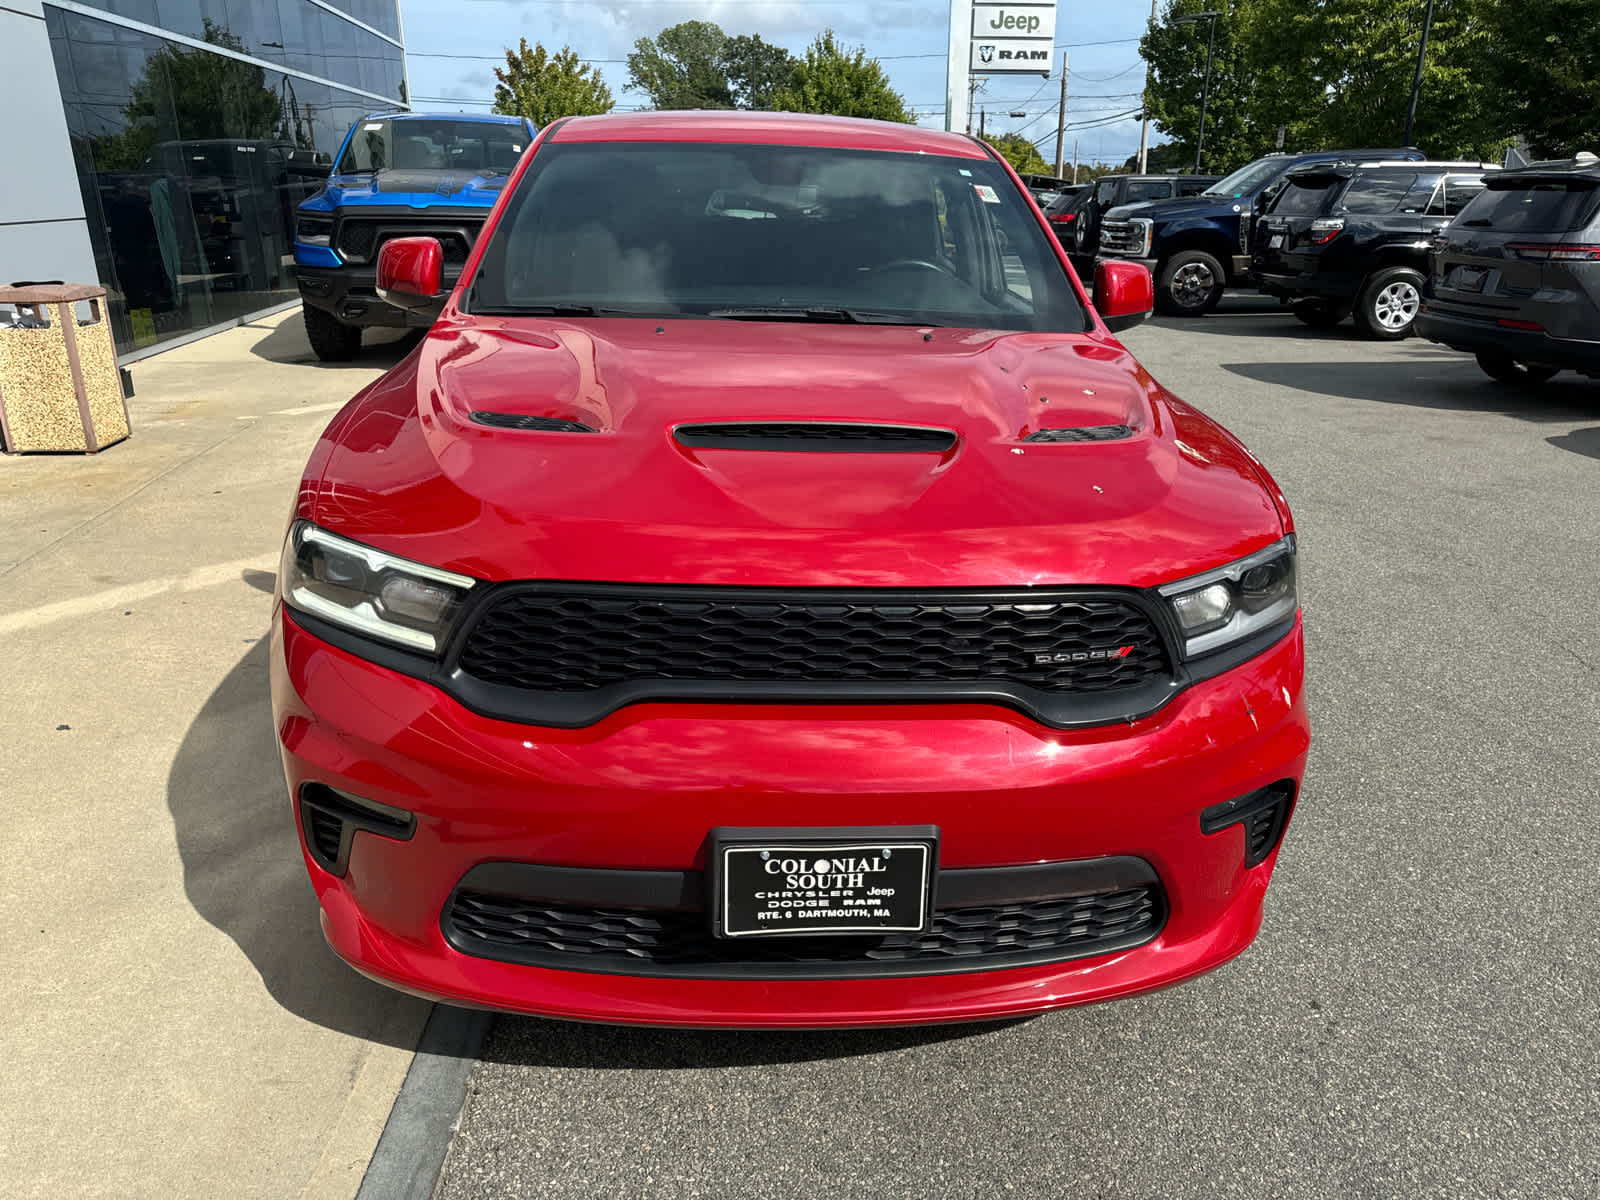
1315	170
766	128
486	118
1584	166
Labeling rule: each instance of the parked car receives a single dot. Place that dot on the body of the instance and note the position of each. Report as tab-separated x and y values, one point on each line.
1061	210
397	174
1199	246
1341	238
784	603
1115	191
1515	279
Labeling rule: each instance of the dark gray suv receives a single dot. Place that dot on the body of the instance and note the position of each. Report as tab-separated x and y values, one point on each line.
1515	278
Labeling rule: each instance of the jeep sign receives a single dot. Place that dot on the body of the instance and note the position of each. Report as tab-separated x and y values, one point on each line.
1012	38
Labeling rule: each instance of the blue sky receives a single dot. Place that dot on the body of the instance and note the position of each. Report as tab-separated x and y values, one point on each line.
454	44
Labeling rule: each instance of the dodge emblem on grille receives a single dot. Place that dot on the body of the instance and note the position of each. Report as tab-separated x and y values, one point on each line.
1076	656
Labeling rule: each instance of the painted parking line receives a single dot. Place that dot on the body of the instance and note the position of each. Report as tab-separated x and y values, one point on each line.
130	593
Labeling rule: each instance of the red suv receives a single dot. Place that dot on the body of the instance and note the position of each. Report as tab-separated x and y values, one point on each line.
783	603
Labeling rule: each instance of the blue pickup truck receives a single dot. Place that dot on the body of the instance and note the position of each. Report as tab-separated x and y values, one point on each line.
397	174
1198	246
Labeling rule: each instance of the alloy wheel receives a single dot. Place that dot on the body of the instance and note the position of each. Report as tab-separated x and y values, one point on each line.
1396	305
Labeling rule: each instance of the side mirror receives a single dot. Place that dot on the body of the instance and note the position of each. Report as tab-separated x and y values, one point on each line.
410	270
1124	293
313	164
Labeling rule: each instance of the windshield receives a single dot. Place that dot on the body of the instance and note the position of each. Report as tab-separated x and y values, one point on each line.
773	232
1248	179
416	144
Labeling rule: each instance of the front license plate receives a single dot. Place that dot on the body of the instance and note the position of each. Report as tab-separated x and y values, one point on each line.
777	883
1275	242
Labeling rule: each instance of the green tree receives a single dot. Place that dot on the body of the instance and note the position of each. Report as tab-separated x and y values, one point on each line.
1176	55
683	67
1343	73
543	87
1546	66
1022	154
830	79
756	70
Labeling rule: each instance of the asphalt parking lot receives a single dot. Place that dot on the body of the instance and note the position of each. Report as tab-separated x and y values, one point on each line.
1418	1017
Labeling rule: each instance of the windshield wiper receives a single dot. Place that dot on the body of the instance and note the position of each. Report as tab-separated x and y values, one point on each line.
826	316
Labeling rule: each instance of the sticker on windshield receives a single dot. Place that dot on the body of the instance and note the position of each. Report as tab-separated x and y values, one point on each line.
373	125
965	172
986	193
515	149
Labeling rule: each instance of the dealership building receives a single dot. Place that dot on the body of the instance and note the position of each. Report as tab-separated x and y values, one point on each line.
146	145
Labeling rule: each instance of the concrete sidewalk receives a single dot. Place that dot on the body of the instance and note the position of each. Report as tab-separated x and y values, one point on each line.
176	1025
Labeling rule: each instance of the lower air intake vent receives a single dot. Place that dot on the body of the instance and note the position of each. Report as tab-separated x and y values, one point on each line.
522	421
1082	433
324	835
841	437
1263	815
1125	906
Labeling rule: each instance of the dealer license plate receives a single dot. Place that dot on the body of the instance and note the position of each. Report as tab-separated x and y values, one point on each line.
1275	242
784	882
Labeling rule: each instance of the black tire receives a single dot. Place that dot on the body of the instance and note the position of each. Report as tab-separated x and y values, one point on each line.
1319	314
1387	306
1190	284
332	339
1504	369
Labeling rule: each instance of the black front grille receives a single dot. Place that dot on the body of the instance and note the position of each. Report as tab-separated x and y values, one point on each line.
816	437
557	638
645	942
360	238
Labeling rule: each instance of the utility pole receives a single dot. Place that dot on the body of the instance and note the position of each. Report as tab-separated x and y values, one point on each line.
974	86
1416	83
983	117
1061	117
1144	126
1074	160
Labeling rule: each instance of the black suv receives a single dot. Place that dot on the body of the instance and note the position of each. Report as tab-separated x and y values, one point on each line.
1080	231
1343	237
1515	279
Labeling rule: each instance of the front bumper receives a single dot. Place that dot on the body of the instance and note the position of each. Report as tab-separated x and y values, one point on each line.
350	293
1536	347
640	790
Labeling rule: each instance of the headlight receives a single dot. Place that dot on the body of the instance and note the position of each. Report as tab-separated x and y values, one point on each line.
314	231
367	591
1142	228
1230	603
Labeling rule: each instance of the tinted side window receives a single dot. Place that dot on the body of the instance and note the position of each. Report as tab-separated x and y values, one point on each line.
1304	197
1459	191
1377	194
1191	187
1148	189
1534	207
1105	192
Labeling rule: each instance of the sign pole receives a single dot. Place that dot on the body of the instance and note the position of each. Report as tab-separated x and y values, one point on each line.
957	113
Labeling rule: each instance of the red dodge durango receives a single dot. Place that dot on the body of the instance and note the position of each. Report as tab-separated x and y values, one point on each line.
770	595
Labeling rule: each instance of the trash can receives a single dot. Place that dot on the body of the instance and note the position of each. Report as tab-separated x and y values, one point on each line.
60	388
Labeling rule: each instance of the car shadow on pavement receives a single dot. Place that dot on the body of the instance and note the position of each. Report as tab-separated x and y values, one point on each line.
1447	381
242	868
286	342
1579	441
530	1042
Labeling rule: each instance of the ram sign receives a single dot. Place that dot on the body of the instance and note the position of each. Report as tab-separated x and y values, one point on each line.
1013	38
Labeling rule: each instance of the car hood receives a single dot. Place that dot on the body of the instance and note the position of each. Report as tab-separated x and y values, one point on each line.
417	188
1178	207
405	468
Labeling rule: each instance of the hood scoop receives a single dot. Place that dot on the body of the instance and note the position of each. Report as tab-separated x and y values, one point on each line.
502	420
1082	433
809	437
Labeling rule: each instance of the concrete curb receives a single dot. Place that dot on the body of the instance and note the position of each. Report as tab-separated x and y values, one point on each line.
417	1136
